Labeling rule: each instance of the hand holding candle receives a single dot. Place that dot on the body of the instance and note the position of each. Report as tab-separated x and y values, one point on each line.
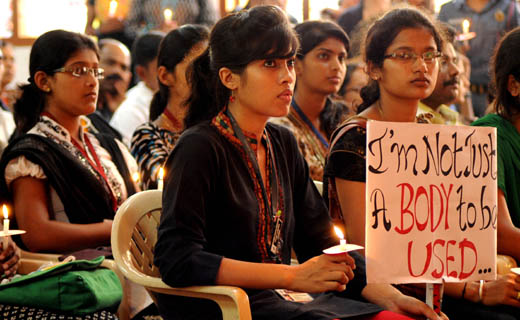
160	179
466	34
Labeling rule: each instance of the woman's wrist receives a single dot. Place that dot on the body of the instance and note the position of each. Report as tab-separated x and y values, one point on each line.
471	293
474	291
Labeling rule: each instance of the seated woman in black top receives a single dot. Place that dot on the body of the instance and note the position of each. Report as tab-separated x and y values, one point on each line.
234	180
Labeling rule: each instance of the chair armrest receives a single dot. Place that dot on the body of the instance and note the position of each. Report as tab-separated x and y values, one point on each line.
233	301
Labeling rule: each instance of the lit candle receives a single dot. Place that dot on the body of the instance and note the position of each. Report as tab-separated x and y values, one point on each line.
6	227
160	179
342	247
465	26
136	177
342	241
168	15
112	9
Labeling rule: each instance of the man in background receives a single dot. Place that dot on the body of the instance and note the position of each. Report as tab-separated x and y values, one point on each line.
135	109
7	124
489	19
114	57
447	87
7	97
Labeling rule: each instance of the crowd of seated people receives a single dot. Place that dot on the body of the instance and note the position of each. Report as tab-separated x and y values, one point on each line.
241	118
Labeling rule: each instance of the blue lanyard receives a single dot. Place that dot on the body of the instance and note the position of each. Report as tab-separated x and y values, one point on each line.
309	123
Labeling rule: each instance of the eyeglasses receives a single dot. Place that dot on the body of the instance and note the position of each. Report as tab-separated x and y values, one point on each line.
80	71
445	60
410	57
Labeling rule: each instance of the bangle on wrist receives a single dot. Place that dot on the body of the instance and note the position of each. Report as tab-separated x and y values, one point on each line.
481	291
464	290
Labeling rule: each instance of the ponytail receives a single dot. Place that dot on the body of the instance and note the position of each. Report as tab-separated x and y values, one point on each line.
369	94
208	94
27	108
159	102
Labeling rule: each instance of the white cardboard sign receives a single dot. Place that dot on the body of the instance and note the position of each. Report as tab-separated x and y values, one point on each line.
431	203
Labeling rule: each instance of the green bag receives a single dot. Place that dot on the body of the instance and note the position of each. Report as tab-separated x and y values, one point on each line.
77	287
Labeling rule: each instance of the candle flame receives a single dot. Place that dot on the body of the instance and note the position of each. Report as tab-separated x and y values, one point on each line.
465	26
135	176
339	233
112	8
5	211
168	14
161	173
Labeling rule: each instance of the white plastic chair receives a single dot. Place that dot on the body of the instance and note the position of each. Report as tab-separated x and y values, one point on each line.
134	234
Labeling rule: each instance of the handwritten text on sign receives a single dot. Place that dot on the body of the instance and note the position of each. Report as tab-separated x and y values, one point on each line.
431	209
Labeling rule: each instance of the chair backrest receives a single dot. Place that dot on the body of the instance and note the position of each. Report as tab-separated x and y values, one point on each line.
133	251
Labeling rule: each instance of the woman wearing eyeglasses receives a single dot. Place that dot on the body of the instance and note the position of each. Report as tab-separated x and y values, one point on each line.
401	51
64	182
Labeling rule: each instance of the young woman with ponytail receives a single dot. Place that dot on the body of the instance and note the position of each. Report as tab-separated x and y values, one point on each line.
153	141
234	180
63	183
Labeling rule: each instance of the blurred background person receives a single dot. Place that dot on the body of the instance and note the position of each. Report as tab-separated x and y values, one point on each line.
106	20
333	14
166	15
114	58
135	109
447	86
355	79
153	141
320	68
489	19
7	95
363	11
282	4
7	124
463	102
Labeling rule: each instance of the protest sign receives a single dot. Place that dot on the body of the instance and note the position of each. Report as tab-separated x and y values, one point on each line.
431	203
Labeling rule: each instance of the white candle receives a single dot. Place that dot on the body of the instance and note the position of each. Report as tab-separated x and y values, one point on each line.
465	26
112	9
168	15
6	227
160	179
342	241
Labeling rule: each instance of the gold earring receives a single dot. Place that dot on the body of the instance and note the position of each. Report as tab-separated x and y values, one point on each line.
47	89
